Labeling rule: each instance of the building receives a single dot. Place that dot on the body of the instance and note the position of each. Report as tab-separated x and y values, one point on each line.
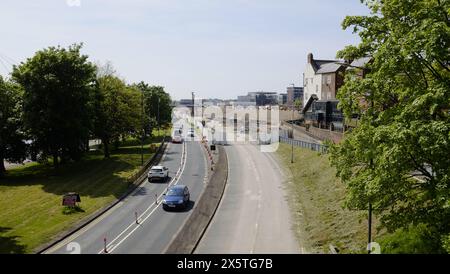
282	99
260	98
322	78
320	109
266	98
294	93
185	103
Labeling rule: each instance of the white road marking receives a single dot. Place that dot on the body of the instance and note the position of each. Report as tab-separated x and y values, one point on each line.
111	247
101	217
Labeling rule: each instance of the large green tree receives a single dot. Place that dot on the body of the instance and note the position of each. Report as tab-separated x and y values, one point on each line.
157	105
398	159
12	136
57	86
117	111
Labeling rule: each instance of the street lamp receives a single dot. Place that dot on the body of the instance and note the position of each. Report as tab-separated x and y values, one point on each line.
292	124
159	100
143	126
372	105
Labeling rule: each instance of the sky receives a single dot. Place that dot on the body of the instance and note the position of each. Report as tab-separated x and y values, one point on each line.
215	48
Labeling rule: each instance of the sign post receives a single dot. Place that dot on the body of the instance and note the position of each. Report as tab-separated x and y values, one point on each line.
71	199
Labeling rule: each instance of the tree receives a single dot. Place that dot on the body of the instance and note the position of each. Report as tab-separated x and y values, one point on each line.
298	103
57	86
398	158
117	110
12	136
155	100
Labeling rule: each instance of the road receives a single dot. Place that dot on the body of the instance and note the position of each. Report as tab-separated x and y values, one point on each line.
156	227
253	216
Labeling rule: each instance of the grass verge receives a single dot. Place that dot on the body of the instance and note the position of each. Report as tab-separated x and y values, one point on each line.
316	197
31	195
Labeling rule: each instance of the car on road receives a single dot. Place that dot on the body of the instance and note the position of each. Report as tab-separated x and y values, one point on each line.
177	196
159	173
191	133
177	137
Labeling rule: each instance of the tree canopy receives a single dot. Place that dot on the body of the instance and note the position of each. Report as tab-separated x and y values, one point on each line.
398	158
117	110
157	104
57	85
12	135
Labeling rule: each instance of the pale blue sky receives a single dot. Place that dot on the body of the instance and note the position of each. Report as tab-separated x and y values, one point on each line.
217	48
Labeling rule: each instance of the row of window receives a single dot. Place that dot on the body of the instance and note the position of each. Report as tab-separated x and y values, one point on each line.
326	79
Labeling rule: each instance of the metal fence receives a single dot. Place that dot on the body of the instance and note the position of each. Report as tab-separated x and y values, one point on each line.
315	147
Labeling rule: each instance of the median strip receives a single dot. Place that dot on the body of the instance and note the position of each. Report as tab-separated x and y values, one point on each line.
190	234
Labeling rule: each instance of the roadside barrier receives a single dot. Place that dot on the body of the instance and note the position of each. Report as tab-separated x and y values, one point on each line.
104	242
298	143
208	150
191	232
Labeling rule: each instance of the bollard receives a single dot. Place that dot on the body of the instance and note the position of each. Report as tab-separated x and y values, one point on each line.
156	199
136	217
104	241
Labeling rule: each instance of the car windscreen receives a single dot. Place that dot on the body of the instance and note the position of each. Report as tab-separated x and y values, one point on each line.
175	192
156	170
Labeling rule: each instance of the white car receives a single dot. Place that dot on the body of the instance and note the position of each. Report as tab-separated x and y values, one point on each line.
177	136
177	139
158	172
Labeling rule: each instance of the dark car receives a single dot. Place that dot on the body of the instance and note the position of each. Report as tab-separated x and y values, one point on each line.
177	196
191	133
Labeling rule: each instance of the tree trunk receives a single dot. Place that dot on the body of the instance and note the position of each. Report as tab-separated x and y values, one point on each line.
2	166
55	160
106	147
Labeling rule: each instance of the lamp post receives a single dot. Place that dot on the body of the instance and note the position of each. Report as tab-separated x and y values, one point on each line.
292	124
193	105
159	100
143	131
372	105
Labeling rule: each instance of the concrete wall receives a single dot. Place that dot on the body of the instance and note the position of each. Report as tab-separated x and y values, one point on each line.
325	134
286	115
193	229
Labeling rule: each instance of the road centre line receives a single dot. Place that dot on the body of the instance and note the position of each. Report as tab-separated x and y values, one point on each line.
96	221
111	246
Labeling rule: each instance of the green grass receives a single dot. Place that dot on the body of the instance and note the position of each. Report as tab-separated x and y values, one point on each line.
317	200
31	195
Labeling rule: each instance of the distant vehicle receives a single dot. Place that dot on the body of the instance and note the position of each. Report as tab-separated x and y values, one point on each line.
177	196
176	137
158	172
191	133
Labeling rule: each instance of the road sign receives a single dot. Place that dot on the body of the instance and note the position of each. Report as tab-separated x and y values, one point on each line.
71	199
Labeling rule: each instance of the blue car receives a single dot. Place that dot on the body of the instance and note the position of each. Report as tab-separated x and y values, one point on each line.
176	197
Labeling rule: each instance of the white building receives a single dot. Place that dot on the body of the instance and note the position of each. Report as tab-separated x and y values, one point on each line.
322	78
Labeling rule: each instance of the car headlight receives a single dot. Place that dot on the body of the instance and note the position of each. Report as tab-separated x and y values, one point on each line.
180	201
164	201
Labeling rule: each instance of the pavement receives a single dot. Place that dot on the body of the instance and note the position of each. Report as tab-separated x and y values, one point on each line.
156	227
253	216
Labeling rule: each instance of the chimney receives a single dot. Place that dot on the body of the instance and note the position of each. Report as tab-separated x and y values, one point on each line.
310	58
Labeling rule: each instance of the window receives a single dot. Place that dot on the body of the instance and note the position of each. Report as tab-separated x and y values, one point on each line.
317	88
329	79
